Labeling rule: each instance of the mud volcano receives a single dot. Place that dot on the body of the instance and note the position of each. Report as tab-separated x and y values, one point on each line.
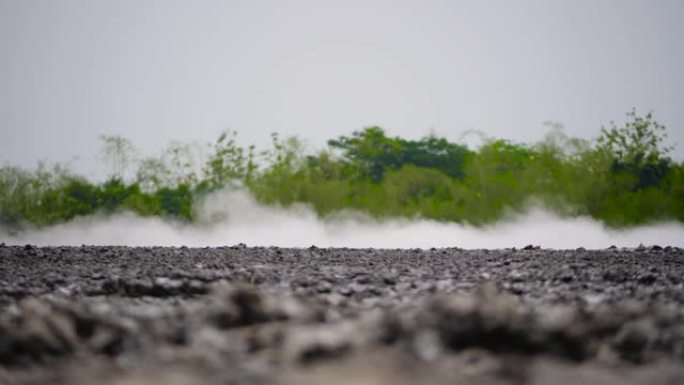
239	315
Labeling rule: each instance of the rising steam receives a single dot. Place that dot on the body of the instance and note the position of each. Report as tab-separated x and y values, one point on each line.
233	217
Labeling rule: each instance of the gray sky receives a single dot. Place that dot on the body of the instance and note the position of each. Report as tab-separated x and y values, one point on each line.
154	71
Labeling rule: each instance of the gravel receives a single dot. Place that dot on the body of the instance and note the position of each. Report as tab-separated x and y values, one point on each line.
242	315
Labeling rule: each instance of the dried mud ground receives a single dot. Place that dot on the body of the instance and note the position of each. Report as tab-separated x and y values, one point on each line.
239	315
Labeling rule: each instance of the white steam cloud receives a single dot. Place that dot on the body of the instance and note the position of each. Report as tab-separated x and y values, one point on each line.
233	217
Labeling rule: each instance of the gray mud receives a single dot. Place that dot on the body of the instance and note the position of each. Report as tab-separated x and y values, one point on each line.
238	315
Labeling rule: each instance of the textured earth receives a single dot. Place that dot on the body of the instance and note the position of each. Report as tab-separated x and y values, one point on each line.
239	315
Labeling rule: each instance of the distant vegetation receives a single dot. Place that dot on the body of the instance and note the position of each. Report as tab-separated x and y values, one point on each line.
624	177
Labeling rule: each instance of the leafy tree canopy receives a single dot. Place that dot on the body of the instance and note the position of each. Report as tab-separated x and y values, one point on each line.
637	148
374	152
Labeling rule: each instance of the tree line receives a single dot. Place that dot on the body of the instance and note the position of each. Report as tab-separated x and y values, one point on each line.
624	177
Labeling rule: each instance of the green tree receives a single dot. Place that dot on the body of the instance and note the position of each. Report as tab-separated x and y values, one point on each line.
373	153
637	150
176	202
176	165
118	154
228	161
283	177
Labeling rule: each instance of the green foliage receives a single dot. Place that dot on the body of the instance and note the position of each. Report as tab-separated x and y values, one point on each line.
623	178
637	150
419	191
228	161
176	165
176	202
118	153
283	180
372	152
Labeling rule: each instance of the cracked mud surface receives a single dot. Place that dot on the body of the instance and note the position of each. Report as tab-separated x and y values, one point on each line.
238	315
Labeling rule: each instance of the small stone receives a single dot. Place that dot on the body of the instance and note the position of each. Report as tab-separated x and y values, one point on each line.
633	338
647	279
516	276
309	344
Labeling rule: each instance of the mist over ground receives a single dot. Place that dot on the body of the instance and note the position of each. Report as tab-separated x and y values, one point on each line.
231	217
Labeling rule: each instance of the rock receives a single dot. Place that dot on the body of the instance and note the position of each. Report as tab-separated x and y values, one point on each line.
647	279
241	305
634	338
485	318
516	276
235	306
36	332
306	345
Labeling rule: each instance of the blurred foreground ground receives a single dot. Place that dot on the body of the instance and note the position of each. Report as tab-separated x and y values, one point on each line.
238	315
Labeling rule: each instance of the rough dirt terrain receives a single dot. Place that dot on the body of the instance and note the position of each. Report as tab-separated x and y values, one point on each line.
238	315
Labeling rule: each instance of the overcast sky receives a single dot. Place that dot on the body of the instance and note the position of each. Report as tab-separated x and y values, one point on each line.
154	71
